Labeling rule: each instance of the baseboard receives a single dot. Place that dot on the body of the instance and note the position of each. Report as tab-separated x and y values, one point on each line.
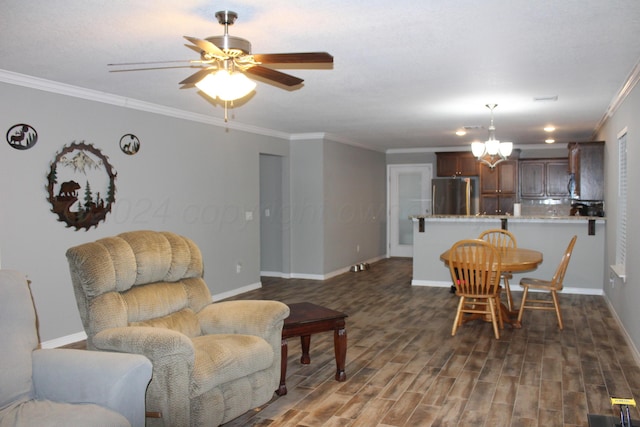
234	292
277	274
431	283
326	275
627	337
66	340
566	290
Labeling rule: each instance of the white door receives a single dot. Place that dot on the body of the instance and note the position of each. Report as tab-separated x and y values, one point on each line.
409	193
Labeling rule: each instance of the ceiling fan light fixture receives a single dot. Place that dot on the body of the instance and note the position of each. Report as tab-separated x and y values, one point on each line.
492	151
228	86
232	46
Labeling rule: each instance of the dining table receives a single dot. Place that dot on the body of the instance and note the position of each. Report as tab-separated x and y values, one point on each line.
512	260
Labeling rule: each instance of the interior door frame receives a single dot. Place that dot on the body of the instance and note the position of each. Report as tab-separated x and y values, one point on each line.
391	196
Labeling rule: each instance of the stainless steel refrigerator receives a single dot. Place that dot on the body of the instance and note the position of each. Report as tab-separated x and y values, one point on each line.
454	196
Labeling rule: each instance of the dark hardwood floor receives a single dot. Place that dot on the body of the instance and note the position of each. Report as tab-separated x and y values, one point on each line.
405	369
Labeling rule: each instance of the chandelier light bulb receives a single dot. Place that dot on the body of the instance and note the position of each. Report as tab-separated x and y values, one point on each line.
493	146
506	148
477	148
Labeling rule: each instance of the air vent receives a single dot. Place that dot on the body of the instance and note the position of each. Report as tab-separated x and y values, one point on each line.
545	98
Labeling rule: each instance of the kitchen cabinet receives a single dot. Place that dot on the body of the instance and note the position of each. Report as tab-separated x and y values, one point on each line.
456	164
544	178
586	166
498	188
497	204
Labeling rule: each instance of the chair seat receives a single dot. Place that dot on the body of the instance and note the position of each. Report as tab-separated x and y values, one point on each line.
45	413
226	357
536	283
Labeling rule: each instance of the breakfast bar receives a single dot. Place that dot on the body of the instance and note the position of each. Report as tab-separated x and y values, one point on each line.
547	234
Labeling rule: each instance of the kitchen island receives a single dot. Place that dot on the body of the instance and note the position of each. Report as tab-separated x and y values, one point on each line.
434	234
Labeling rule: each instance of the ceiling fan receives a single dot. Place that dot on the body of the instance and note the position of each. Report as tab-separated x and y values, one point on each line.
226	60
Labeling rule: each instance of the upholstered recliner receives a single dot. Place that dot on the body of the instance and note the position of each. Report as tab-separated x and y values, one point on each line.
143	292
61	387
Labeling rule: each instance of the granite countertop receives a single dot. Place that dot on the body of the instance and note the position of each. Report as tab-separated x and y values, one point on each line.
509	217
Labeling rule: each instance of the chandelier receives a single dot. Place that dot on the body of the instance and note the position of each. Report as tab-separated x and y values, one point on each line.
491	152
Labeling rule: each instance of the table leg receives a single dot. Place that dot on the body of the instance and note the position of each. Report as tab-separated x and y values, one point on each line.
509	317
284	350
340	348
305	342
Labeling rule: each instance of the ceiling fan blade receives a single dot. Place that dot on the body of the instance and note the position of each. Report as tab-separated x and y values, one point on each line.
276	76
126	64
154	68
290	58
196	77
207	46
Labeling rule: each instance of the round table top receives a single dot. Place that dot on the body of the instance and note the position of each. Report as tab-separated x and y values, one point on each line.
512	259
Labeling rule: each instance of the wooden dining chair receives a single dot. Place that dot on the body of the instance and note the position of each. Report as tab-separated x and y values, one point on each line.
552	286
502	239
475	268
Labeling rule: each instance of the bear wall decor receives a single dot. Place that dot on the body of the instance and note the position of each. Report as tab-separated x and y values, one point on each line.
81	186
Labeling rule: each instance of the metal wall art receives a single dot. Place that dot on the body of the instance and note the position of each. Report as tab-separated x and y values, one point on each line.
22	137
81	186
129	144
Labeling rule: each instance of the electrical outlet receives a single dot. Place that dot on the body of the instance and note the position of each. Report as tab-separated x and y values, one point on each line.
239	268
357	248
248	215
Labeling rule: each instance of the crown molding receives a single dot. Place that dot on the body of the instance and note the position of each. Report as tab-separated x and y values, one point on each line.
134	104
528	147
621	95
330	137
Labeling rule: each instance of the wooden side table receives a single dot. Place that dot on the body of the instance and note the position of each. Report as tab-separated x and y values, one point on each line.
304	320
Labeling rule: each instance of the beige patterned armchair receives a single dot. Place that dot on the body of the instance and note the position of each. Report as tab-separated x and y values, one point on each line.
143	292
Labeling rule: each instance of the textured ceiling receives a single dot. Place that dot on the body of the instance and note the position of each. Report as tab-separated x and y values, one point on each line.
406	73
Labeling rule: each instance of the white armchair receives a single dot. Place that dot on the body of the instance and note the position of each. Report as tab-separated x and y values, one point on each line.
62	387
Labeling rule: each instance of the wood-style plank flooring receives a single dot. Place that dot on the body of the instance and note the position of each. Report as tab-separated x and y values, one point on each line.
405	369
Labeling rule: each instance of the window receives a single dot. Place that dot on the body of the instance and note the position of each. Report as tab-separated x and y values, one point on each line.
621	233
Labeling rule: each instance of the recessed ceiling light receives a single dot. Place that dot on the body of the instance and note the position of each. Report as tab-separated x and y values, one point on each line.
549	141
549	128
461	132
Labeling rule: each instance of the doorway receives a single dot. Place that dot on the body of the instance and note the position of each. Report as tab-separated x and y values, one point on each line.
408	194
272	216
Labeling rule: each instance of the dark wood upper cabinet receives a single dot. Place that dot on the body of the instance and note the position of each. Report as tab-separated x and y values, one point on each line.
586	165
532	178
451	164
558	178
544	178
